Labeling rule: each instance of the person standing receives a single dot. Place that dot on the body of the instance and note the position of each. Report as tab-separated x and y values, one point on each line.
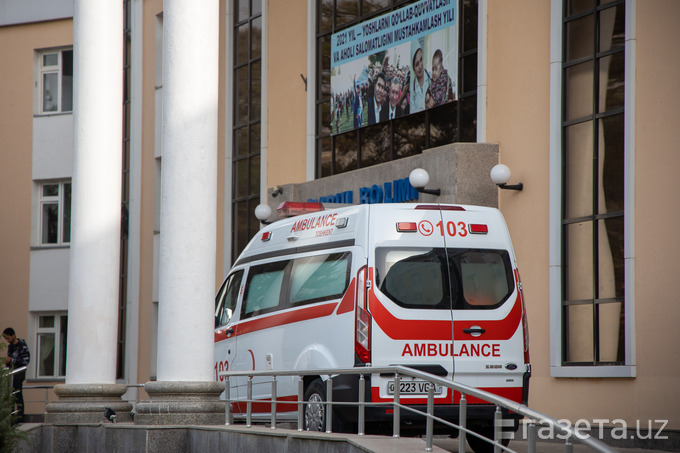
18	356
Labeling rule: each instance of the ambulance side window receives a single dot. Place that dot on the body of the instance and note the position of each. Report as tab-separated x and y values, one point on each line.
263	289
319	278
225	302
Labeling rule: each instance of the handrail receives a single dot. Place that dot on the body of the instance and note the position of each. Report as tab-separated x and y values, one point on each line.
17	370
534	416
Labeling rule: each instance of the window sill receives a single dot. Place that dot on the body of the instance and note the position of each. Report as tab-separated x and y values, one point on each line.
43	115
45	379
606	371
50	247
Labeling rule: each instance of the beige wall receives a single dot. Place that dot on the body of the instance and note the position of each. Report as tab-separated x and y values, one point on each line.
151	8
518	115
656	209
287	107
16	119
518	120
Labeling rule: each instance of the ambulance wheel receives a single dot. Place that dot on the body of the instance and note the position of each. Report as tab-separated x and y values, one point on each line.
315	410
481	446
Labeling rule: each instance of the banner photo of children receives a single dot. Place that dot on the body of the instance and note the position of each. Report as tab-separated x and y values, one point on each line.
396	64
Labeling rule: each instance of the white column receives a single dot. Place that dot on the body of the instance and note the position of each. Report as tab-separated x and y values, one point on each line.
188	190
96	199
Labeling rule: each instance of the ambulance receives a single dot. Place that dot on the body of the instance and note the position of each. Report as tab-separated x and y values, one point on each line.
434	287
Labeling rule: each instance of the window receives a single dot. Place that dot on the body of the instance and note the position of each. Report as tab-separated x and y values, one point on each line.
288	283
50	354
319	278
417	277
400	137
592	218
55	213
56	81
413	278
263	289
247	59
227	297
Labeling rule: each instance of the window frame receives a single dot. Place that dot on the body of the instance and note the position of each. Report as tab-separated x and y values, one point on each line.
246	168
62	205
58	69
558	368
60	344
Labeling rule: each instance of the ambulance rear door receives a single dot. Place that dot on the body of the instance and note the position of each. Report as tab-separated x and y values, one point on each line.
488	328
409	299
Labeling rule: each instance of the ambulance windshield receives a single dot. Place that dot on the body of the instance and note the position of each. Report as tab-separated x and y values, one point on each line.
420	277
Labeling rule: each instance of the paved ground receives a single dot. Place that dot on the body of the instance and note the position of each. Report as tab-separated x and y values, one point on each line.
521	446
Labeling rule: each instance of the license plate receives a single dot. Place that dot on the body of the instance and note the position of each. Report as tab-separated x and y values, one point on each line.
413	388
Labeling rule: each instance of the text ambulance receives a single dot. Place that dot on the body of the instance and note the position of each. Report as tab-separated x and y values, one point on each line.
430	286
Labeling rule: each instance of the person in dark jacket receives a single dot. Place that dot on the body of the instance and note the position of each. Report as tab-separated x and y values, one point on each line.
18	356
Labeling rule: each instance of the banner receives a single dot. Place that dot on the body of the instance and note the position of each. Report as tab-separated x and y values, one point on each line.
393	65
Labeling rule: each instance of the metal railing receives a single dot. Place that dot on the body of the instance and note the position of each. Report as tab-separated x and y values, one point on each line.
12	373
535	418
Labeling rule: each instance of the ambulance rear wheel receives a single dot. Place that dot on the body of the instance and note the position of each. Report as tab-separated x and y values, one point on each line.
315	409
481	446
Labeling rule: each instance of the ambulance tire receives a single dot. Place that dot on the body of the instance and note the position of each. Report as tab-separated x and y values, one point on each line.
315	412
481	446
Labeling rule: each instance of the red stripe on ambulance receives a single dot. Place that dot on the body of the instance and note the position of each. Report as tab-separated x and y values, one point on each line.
304	314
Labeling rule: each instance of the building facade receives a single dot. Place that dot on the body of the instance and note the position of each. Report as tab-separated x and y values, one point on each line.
575	96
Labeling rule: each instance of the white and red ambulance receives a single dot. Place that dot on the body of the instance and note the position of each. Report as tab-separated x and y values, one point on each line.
434	287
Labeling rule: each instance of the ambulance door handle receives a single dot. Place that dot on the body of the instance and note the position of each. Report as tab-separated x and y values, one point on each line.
474	331
230	331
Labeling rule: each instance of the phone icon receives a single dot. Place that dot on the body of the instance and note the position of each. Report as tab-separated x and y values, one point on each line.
425	227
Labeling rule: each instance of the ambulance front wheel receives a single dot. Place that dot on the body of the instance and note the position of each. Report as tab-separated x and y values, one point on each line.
315	409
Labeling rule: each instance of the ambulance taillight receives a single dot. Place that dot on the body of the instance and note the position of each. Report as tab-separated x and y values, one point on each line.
407	227
478	228
362	342
525	322
293	208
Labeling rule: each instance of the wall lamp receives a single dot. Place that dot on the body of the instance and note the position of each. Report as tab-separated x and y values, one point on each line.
263	212
500	175
419	178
